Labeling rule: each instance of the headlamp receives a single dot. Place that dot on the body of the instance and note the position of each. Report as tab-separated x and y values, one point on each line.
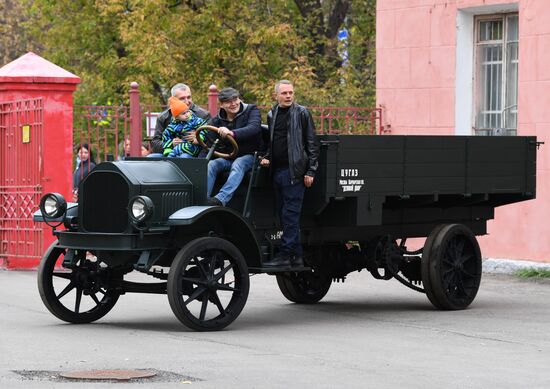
53	205
140	209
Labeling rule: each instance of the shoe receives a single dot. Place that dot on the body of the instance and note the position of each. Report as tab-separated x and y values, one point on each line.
214	201
297	261
281	259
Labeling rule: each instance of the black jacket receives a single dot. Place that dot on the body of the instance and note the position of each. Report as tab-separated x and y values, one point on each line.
246	126
303	150
83	169
163	120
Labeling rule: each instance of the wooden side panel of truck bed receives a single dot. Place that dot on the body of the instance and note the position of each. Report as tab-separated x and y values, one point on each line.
419	165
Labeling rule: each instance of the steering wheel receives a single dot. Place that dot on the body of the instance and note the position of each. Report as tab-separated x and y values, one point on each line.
232	142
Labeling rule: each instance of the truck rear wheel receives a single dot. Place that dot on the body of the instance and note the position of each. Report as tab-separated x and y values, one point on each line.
81	294
451	267
208	284
304	287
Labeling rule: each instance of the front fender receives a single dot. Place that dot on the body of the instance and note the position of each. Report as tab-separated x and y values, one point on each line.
229	224
190	215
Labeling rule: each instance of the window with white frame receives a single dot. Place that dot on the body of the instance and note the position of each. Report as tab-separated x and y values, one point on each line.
496	74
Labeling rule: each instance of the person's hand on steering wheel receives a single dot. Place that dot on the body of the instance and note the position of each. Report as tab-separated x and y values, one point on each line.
224	131
201	136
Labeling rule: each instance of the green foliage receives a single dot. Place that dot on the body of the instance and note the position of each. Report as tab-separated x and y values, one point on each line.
248	45
78	37
533	273
14	39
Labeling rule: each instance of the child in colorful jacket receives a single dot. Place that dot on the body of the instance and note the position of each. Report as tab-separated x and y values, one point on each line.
183	121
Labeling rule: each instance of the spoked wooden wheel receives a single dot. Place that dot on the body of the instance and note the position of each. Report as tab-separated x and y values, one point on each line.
208	284
304	287
82	294
451	267
232	142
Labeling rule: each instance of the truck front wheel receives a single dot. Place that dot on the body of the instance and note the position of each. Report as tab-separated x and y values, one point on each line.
83	293
208	284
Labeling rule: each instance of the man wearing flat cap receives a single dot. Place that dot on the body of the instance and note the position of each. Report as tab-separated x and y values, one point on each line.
242	122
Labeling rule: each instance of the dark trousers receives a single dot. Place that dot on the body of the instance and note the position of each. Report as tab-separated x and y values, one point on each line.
289	199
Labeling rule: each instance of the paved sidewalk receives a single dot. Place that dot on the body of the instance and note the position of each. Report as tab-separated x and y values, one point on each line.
509	266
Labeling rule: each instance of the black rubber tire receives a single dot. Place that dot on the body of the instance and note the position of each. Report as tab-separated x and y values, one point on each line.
425	266
451	267
190	265
304	287
51	299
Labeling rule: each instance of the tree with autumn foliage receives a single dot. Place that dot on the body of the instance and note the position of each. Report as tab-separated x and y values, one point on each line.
14	37
248	45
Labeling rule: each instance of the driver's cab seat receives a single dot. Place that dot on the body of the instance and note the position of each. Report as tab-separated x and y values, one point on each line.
255	181
254	198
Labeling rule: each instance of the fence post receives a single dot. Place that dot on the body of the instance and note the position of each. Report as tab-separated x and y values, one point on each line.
42	106
135	121
213	100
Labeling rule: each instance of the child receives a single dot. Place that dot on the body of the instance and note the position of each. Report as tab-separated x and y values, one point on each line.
183	121
145	148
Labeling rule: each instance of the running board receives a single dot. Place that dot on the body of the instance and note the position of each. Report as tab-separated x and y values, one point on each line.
275	270
142	287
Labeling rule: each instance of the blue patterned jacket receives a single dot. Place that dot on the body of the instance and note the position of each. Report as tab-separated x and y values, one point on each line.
177	129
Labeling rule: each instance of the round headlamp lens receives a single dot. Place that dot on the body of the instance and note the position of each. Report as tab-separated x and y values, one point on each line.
138	209
51	206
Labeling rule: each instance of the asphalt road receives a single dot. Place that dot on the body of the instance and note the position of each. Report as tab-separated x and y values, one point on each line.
364	334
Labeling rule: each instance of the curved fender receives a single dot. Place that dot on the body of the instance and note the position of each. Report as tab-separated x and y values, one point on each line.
232	223
190	215
72	210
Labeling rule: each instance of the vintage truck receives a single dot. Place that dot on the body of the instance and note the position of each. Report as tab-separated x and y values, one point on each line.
371	193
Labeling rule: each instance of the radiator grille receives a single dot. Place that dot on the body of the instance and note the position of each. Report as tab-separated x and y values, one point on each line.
105	202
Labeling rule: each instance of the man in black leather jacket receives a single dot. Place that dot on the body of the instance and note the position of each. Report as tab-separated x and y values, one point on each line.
292	157
183	93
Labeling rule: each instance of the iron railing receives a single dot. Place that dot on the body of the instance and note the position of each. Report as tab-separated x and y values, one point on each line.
108	128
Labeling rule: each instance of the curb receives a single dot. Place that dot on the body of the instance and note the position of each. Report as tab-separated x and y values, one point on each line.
510	266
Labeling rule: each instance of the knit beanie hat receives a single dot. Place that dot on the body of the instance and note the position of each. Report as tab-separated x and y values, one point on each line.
177	106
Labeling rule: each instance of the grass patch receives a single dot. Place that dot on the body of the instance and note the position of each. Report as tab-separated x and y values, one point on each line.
533	273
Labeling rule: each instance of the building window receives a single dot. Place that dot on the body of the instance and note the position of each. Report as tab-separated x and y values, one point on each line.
496	75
